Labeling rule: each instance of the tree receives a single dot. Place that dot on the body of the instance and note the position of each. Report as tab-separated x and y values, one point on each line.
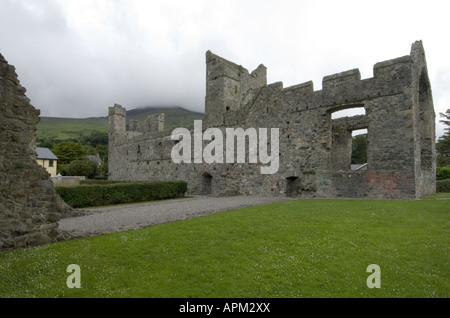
446	121
69	151
81	167
102	171
359	149
96	138
443	144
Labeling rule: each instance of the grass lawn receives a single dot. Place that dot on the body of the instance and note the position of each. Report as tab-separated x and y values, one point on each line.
66	128
304	248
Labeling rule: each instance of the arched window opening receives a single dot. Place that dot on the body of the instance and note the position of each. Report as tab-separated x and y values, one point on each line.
425	123
348	112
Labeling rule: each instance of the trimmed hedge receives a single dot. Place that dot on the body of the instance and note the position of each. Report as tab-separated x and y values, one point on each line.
443	185
123	192
100	181
443	173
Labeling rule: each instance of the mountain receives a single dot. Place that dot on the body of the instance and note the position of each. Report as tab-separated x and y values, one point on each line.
57	128
173	116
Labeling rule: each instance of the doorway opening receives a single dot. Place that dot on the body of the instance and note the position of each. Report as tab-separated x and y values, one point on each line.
292	186
206	183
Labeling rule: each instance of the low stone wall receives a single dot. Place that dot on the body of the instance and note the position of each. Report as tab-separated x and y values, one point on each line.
72	180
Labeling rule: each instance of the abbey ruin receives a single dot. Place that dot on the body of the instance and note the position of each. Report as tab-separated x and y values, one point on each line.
314	149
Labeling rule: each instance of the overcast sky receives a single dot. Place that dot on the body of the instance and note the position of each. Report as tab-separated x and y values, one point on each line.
78	57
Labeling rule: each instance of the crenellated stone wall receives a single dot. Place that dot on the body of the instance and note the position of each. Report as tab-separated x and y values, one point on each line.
29	205
314	149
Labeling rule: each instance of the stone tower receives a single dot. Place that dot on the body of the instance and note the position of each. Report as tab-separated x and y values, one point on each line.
228	86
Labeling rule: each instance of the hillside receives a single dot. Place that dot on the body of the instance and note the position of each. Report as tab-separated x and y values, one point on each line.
56	128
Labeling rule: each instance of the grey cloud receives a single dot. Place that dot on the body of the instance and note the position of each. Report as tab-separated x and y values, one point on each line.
80	72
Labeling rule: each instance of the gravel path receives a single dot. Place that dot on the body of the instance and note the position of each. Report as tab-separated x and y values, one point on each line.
127	217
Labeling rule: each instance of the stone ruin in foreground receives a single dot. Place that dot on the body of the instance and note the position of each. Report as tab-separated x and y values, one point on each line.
314	149
29	204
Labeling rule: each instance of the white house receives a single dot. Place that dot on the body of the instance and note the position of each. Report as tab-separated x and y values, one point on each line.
47	159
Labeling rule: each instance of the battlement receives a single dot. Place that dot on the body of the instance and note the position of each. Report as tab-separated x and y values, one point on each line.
307	87
153	123
117	110
118	125
341	79
231	91
387	69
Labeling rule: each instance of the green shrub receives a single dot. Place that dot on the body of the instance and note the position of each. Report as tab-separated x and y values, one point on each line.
443	173
443	185
82	167
121	192
99	181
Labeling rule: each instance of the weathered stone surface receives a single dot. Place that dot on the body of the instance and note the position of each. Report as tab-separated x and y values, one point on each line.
314	148
29	205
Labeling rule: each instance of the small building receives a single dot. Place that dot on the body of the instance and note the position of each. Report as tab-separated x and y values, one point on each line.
359	166
95	159
47	159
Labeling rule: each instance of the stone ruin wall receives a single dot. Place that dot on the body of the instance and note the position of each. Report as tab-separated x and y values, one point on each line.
315	149
29	205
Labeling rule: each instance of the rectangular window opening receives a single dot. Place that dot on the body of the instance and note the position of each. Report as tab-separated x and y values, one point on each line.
359	150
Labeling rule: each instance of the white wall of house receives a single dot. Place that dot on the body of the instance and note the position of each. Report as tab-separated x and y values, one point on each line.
49	165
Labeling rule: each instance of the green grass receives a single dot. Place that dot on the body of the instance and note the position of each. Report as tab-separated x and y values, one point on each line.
74	128
439	195
304	248
68	128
